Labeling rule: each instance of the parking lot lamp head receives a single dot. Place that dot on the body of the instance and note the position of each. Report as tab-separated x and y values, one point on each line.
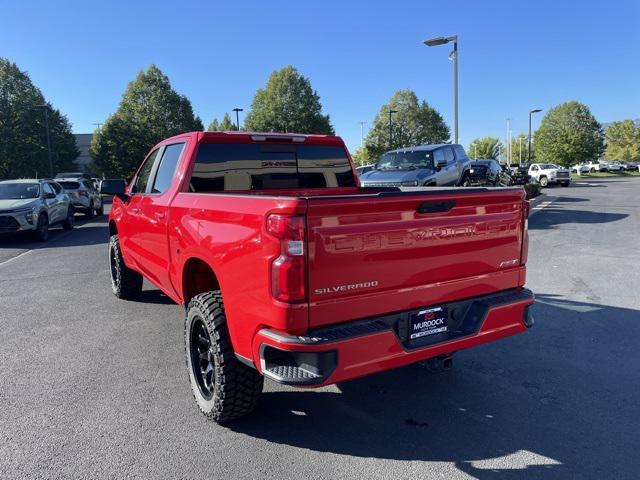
434	42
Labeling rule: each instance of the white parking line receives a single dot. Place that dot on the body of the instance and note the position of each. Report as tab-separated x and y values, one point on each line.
542	205
45	245
13	258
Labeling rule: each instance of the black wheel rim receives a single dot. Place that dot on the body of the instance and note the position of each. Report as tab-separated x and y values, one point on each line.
202	363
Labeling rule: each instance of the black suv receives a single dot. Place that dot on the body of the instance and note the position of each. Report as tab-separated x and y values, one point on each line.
426	165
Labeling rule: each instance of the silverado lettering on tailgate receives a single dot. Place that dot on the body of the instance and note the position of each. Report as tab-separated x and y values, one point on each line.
357	242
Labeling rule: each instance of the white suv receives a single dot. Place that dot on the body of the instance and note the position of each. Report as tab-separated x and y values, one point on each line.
549	173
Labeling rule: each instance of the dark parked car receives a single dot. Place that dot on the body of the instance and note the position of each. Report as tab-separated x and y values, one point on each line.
426	165
487	172
519	174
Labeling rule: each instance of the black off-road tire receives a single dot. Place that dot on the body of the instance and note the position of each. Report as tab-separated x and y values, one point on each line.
70	222
125	283
231	389
466	180
90	211
565	184
41	233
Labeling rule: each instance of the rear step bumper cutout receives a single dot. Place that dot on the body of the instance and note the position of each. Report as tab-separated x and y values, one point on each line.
348	350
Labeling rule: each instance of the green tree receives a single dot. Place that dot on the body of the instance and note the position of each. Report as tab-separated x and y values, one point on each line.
414	123
23	148
150	111
623	141
360	157
569	134
288	103
226	125
519	150
485	147
214	126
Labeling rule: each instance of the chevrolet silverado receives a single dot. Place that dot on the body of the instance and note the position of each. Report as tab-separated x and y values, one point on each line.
290	270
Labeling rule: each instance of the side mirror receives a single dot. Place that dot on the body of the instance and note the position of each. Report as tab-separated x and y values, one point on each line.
114	186
49	196
440	164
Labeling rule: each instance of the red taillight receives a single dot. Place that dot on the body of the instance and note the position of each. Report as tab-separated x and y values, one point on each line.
524	253
288	270
83	193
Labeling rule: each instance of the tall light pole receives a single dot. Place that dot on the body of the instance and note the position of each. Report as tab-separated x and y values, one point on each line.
432	42
520	145
362	124
238	110
391	112
46	126
536	110
508	149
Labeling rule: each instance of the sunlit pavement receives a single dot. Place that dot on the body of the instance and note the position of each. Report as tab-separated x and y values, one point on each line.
96	387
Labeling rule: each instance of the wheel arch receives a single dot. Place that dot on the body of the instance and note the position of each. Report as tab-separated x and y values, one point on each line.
197	277
113	229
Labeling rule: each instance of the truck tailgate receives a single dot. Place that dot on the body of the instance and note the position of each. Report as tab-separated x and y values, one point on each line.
388	252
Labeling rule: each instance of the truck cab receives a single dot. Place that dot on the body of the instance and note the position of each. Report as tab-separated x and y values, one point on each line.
426	165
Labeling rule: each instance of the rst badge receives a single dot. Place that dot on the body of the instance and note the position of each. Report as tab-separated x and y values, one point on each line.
428	322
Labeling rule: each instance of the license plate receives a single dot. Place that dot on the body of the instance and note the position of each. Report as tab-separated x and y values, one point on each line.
428	322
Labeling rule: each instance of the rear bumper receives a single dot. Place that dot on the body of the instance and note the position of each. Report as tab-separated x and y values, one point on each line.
355	349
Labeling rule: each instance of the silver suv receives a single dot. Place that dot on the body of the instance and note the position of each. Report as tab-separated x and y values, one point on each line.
84	196
33	206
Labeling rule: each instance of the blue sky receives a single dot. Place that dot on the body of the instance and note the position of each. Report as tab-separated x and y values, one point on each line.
514	56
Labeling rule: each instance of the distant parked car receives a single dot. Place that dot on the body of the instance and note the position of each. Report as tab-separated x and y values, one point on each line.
364	169
426	165
633	166
68	175
84	197
519	174
488	172
580	169
33	206
615	167
549	173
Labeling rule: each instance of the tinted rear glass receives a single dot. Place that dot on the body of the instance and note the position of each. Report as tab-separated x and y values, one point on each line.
221	167
70	185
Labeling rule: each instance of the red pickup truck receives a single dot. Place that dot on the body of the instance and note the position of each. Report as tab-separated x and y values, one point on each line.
290	270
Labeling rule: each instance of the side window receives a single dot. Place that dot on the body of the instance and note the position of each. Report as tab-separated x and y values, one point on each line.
460	153
140	184
47	188
439	156
167	168
448	154
534	168
57	188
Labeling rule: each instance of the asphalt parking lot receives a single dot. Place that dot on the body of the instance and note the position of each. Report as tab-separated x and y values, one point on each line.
93	387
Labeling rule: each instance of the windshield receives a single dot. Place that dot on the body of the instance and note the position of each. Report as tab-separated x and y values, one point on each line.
70	185
406	160
19	191
547	166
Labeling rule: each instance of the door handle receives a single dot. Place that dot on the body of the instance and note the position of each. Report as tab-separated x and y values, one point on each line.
436	206
159	215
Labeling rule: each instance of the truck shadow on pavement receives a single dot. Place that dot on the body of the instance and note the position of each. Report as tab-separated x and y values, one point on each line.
553	216
560	401
87	232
